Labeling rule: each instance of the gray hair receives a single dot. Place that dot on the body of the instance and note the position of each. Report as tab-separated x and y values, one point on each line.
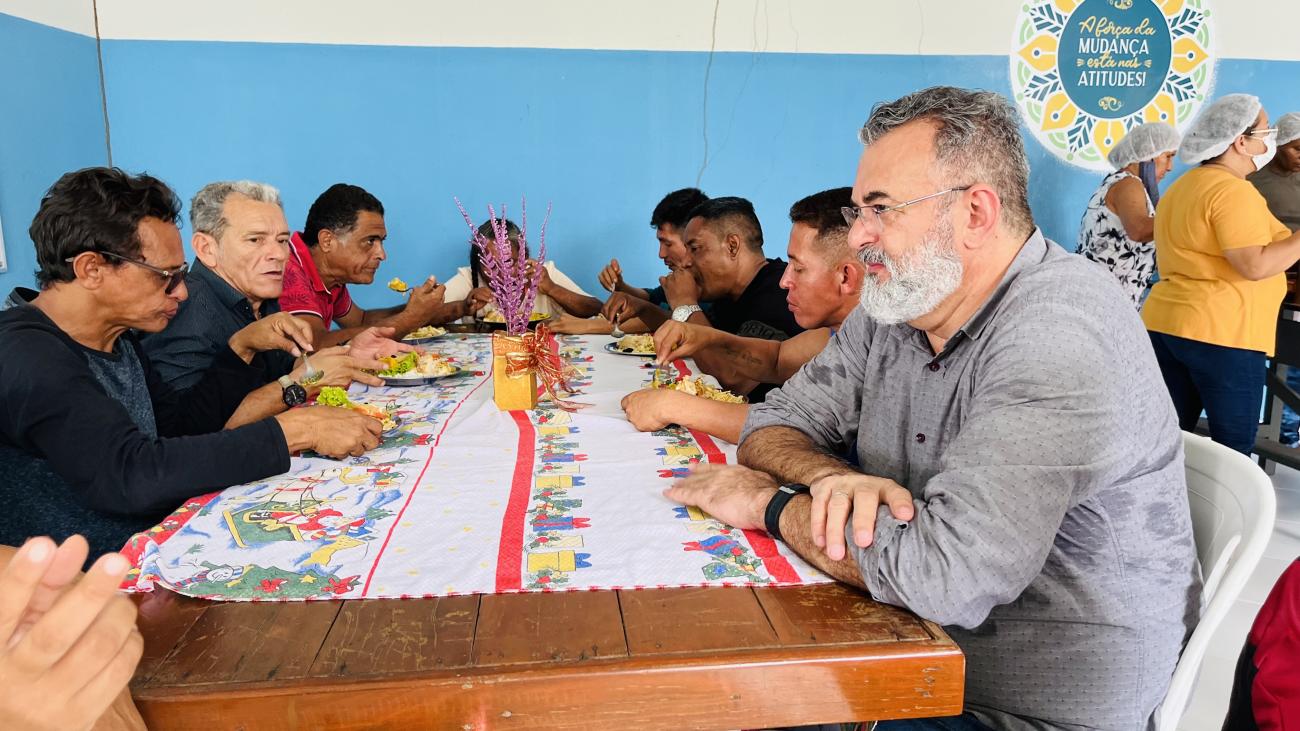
978	140
208	204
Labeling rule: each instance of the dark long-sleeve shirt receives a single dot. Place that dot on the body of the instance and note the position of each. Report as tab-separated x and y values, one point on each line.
1052	532
95	443
212	313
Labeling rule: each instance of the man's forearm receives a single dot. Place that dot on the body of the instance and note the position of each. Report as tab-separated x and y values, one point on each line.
579	305
257	405
796	532
789	455
751	358
717	418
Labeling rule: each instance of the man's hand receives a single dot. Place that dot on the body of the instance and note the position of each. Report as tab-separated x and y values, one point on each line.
280	331
652	409
735	495
675	340
621	307
68	646
611	277
545	286
680	288
339	366
330	431
425	301
374	343
476	300
835	496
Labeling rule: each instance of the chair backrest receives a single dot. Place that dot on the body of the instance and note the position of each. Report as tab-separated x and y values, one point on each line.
1233	508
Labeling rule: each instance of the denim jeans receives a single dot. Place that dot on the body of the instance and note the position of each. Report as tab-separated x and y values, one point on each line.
964	722
1227	383
1290	419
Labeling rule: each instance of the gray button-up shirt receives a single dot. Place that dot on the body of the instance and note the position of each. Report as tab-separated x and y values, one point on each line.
1052	535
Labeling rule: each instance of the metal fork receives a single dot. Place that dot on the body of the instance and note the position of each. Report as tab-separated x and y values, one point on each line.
311	373
616	332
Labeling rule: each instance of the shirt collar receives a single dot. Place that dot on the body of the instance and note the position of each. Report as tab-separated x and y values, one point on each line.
1033	250
302	254
224	292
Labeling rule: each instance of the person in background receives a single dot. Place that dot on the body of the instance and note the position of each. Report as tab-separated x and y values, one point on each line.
557	294
1212	317
1279	183
68	642
669	220
822	282
241	240
91	439
1119	223
727	267
342	243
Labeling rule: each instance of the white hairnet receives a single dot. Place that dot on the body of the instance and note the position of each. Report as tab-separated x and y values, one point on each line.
1142	143
1288	128
1217	126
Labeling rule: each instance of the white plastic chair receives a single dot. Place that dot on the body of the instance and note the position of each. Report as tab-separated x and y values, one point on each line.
1233	508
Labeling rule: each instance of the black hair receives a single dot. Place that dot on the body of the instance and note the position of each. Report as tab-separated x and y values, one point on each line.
675	208
96	209
337	209
475	263
731	214
822	210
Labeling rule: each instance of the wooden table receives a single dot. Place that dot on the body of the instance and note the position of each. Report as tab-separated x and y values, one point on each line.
715	658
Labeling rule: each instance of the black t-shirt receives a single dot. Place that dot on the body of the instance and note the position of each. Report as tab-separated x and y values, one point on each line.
761	310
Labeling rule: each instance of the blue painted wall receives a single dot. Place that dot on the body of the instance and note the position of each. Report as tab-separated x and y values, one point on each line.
50	123
601	134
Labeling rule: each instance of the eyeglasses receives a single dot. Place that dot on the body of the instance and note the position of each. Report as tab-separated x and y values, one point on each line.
173	277
853	214
1265	132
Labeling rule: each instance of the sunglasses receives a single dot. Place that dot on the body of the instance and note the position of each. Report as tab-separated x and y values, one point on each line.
172	277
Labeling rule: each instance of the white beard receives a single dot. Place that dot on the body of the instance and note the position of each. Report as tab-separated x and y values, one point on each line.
917	283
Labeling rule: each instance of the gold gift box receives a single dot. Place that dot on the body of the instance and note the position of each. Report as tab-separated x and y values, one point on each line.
512	393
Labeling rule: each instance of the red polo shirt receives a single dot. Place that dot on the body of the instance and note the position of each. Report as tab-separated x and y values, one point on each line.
305	293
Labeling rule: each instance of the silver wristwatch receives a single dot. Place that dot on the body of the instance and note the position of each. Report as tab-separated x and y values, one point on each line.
682	313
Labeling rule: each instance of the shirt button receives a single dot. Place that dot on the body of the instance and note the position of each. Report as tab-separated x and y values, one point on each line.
920	439
933	367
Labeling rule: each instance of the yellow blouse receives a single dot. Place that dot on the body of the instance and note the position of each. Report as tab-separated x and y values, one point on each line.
1200	296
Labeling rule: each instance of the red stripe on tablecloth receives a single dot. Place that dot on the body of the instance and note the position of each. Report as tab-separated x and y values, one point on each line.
764	547
680	365
777	566
511	549
427	461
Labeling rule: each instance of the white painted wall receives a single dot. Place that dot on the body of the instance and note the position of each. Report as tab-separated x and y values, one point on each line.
1261	29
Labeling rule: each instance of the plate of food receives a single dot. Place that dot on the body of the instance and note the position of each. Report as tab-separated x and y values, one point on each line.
338	397
699	387
641	345
497	321
411	369
424	335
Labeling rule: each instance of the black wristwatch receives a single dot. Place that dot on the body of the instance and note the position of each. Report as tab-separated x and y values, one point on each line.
293	393
772	516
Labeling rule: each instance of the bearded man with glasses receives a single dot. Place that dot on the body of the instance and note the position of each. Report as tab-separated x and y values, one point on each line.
1011	487
92	440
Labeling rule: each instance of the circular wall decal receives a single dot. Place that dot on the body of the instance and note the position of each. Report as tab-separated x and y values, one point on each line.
1085	72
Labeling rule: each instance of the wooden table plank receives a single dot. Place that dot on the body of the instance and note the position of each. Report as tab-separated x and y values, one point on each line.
550	627
385	637
751	689
163	618
835	613
694	620
239	642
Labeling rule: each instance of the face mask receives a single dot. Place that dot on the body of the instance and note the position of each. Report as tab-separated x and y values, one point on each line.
1270	149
